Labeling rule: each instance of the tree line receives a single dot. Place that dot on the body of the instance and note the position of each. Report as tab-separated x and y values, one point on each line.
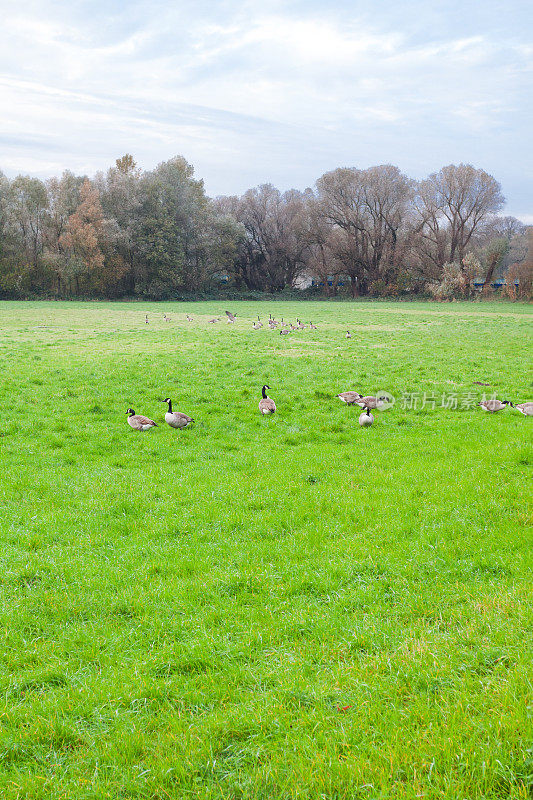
156	234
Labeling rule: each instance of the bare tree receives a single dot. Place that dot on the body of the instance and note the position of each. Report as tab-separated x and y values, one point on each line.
452	205
366	210
274	248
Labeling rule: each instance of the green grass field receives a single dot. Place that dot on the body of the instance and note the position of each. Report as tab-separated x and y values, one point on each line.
282	608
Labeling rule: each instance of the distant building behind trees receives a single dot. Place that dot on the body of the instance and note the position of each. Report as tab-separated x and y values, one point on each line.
155	234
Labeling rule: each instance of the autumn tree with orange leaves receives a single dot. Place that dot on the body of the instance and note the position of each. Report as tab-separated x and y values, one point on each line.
84	240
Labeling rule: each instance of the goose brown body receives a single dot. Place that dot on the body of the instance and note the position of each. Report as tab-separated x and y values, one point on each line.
525	408
138	422
494	405
371	402
349	397
176	419
266	404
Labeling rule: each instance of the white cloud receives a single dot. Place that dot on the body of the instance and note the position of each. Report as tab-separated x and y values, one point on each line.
257	89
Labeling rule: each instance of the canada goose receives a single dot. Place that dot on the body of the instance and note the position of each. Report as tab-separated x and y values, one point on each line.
176	419
371	402
366	419
138	422
266	404
348	335
167	319
230	316
283	331
189	319
313	327
349	397
494	405
525	408
257	326
146	320
211	321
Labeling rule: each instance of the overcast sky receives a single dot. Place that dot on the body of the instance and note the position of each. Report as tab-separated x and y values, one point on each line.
252	92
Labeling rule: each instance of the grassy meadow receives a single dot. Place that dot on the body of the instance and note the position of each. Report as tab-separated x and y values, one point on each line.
280	608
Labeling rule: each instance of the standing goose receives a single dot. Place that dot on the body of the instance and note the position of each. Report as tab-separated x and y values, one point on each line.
348	335
525	408
176	419
494	405
138	422
189	318
349	397
257	326
313	327
372	402
146	319
366	419
266	404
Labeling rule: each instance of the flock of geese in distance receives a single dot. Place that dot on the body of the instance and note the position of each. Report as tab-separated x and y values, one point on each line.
179	420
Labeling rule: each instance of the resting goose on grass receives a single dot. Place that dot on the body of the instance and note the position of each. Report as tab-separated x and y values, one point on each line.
138	422
494	405
266	404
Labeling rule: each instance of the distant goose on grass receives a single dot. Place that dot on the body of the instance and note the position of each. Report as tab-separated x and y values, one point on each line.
138	422
313	327
167	319
230	316
146	319
176	419
283	331
494	405
372	402
348	335
349	397
525	408
266	404
215	319
189	318
257	326
366	419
